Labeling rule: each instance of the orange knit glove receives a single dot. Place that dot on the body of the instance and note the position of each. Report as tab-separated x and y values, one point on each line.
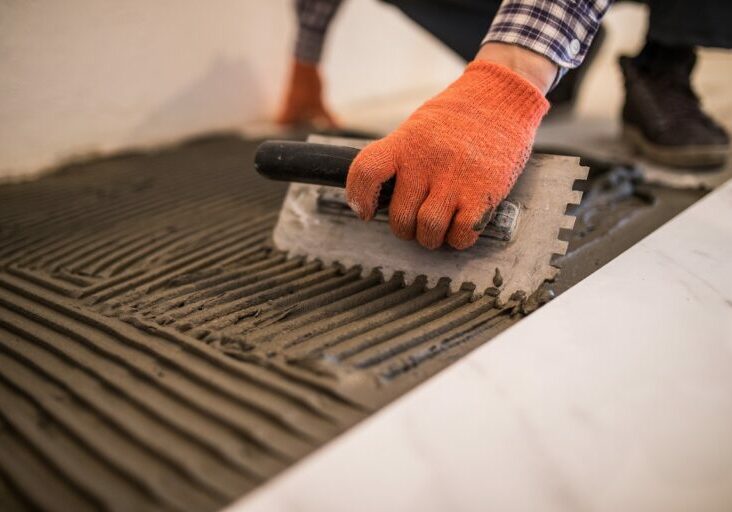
455	158
303	104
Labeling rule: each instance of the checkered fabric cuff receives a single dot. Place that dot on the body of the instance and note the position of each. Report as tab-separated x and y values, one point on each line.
313	18
561	30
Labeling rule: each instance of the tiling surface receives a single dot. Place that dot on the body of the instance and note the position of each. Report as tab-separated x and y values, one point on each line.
156	354
615	396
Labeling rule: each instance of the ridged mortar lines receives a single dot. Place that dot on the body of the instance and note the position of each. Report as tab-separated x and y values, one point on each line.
142	387
394	315
209	309
180	293
48	282
131	204
382	351
200	258
403	325
198	386
119	254
81	254
60	451
60	242
192	461
183	286
203	303
271	306
370	304
415	352
161	481
21	468
161	355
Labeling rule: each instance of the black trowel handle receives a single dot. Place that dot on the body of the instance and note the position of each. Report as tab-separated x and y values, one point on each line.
306	162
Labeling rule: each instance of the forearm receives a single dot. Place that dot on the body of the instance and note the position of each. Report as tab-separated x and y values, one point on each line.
559	31
314	18
537	69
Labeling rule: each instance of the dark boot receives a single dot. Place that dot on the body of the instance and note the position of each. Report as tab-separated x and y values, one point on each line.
662	115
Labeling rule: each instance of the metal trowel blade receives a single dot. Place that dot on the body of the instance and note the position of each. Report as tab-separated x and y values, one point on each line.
314	223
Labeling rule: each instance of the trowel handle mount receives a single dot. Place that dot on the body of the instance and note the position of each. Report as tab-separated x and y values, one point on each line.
307	162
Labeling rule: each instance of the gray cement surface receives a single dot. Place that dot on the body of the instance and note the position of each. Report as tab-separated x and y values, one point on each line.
157	354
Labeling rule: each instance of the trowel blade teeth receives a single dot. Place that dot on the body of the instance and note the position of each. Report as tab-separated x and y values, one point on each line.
560	247
568	221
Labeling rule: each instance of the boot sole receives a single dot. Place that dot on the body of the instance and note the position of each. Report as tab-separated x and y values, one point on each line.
686	156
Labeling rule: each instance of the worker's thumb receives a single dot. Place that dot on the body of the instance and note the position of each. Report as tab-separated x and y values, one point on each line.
370	169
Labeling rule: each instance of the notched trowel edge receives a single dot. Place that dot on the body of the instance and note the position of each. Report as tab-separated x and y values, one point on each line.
543	192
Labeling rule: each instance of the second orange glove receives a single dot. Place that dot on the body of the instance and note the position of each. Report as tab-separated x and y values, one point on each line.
303	103
455	158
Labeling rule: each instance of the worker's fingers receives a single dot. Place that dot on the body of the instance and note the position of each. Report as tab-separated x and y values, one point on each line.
433	220
370	169
409	194
466	227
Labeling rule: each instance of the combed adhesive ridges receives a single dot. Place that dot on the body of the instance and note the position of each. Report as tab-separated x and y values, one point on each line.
158	354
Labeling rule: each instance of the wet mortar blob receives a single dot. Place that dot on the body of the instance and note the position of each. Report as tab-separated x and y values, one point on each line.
156	353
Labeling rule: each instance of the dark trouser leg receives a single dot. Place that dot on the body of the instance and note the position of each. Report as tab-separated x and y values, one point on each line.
460	25
677	27
706	23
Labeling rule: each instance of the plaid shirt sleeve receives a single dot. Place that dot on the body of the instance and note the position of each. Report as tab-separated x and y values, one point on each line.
561	30
313	18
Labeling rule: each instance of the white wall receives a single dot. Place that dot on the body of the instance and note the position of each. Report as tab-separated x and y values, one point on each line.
80	77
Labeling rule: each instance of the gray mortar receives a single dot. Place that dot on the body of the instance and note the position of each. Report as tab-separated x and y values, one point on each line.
157	354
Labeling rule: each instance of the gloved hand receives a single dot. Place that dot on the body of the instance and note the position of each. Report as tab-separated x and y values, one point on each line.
455	159
303	104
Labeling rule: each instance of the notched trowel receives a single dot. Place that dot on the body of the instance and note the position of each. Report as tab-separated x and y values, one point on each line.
517	243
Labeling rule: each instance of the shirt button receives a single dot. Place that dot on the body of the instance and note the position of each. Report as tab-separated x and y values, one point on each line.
574	47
